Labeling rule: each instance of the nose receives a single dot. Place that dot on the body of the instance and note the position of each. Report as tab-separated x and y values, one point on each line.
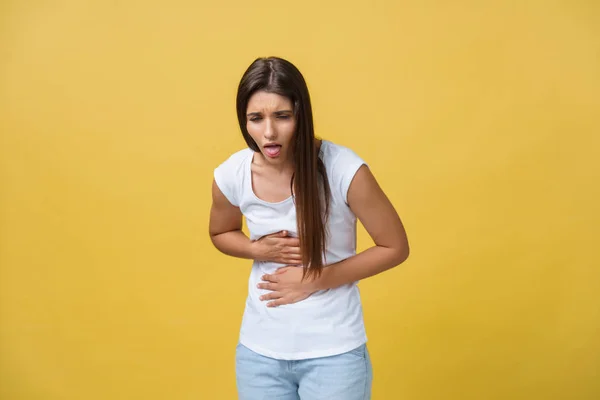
270	131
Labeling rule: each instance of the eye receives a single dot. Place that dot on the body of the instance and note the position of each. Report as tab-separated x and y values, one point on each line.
255	119
283	117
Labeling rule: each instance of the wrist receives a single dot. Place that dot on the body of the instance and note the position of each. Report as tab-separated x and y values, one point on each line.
320	283
254	250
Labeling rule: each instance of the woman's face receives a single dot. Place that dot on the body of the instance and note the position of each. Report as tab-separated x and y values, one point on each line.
271	123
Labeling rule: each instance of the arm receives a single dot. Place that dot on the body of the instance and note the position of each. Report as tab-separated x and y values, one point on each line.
225	227
377	214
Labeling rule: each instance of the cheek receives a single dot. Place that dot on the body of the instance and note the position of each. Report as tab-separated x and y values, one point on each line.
253	130
288	131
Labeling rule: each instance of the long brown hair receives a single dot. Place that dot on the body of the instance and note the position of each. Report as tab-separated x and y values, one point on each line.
309	183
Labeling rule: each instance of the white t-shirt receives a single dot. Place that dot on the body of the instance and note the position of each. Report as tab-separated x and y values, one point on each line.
329	322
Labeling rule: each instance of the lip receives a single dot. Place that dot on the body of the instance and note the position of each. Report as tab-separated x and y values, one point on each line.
271	144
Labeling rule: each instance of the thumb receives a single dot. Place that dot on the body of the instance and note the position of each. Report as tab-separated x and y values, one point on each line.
281	270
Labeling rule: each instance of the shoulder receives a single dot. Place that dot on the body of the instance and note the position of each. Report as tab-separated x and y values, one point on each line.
342	164
338	156
234	162
229	175
238	157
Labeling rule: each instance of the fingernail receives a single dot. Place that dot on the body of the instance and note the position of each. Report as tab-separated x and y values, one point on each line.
261	298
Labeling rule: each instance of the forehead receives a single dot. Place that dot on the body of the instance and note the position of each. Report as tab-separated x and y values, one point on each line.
264	101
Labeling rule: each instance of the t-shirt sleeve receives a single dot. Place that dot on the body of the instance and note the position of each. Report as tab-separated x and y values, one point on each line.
227	179
345	167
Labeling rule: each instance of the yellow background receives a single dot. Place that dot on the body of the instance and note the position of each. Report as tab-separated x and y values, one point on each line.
479	118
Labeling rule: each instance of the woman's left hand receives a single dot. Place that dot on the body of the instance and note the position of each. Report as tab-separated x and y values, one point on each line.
286	286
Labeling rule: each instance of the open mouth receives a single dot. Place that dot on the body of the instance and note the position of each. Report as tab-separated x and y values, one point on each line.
272	150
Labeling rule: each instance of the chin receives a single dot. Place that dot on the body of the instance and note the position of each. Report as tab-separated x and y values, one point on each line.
274	160
277	160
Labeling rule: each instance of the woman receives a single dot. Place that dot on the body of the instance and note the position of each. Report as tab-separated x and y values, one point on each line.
302	334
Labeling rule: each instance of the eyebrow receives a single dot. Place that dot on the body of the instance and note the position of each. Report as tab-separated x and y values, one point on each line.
280	112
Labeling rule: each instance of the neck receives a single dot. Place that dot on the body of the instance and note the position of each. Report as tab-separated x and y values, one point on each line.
286	166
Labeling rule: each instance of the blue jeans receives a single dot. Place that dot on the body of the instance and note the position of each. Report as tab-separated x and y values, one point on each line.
346	376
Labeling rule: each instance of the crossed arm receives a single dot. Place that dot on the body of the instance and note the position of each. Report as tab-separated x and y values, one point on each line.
373	209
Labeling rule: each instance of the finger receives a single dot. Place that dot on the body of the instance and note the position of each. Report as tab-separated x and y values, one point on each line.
289	261
292	250
294	256
280	234
289	241
281	270
267	286
276	303
270	278
271	296
291	256
292	242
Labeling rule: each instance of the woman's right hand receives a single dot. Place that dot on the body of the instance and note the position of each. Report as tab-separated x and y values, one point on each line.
278	247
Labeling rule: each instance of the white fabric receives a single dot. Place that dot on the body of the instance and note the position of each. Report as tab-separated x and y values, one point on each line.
327	323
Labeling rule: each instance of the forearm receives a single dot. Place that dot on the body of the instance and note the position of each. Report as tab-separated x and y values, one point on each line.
235	244
372	261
